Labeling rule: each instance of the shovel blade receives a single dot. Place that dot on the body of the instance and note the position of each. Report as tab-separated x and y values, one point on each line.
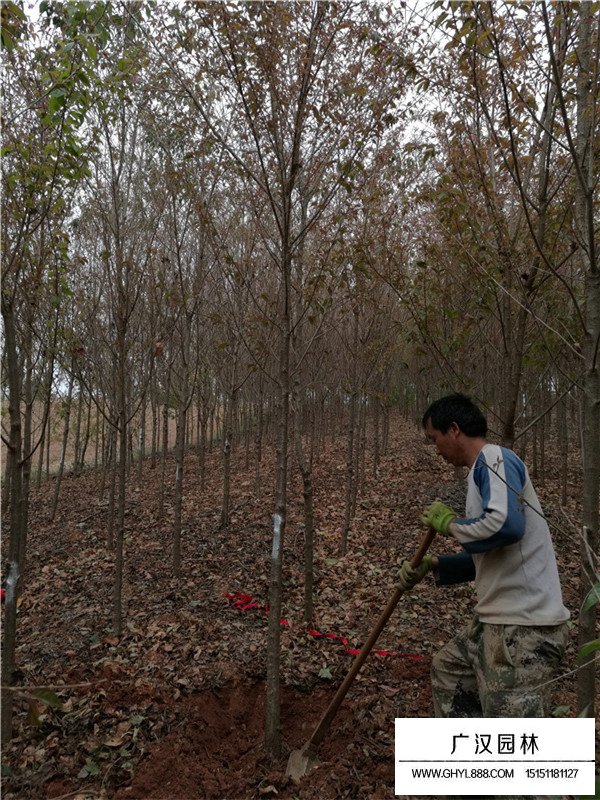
300	763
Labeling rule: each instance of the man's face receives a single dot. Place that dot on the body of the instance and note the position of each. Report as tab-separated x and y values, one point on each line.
447	444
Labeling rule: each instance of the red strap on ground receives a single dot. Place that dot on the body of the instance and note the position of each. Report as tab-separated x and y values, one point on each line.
245	602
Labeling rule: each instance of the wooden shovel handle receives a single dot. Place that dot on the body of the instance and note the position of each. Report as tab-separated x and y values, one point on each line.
327	718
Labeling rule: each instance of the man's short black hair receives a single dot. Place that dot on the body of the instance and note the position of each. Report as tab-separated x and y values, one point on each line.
456	408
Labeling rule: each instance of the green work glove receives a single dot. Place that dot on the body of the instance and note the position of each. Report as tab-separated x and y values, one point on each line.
439	517
409	577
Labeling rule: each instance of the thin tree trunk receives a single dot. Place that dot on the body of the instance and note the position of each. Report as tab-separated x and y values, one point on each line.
120	510
97	438
202	450
163	456
40	458
9	638
211	437
106	460
178	500
86	435
8	472
542	423
103	432
273	695
309	525
154	406
386	429
77	438
587	83
113	465
48	443
258	437
26	462
142	443
63	455
247	432
182	429
47	417
359	488
376	421
563	439
227	445
350	455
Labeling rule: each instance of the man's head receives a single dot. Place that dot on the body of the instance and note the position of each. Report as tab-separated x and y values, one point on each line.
457	428
456	408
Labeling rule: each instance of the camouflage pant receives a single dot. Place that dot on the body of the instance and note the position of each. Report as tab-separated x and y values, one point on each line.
497	671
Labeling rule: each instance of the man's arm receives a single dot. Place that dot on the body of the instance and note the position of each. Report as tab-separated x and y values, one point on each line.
454	568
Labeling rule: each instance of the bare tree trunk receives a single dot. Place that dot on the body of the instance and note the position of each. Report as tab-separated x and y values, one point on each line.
142	442
258	437
247	432
8	471
514	337
204	414
46	421
97	438
154	405
103	433
112	493
163	456
87	431
120	510
542	423
359	488
178	500
534	451
9	638
227	444
309	524
563	441
77	446
273	708
26	462
63	455
350	455
587	86
314	434
48	442
376	421
107	450
386	429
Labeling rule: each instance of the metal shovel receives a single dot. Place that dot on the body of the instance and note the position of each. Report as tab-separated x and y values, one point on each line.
301	762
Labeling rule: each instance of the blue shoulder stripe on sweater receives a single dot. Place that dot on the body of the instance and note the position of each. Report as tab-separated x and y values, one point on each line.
500	499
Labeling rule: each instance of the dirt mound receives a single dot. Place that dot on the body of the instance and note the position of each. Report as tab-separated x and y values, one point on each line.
218	751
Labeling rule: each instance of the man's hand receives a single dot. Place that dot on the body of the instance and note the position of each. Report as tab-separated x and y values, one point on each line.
409	577
439	517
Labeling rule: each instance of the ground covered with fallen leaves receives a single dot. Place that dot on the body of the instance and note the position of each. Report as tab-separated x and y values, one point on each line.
174	708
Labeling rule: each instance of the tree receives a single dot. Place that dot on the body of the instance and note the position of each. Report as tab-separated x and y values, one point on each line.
281	113
547	146
48	93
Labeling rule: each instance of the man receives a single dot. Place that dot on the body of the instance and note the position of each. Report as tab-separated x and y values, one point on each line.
501	664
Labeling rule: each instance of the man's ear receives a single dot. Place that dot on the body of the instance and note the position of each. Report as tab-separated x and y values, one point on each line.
454	429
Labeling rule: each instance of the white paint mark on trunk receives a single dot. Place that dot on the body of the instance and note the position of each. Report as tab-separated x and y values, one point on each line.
11	582
277	520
